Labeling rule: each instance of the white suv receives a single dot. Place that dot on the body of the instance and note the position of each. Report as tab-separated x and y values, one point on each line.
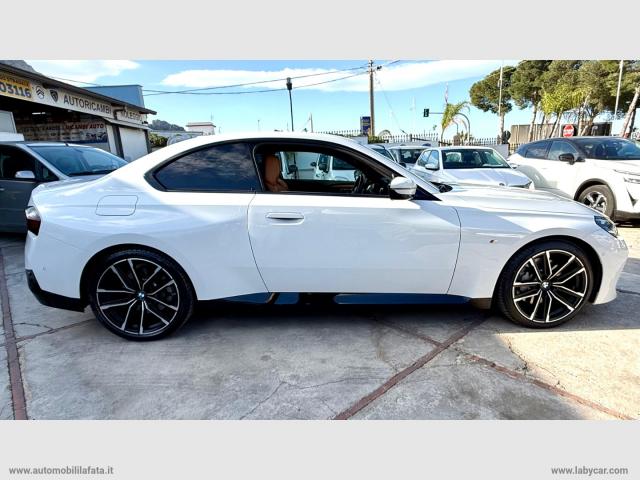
601	172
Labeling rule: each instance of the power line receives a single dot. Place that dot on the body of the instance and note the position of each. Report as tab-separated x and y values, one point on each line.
247	92
393	114
76	81
258	82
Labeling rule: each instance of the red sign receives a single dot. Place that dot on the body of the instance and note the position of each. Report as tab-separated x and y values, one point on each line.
568	131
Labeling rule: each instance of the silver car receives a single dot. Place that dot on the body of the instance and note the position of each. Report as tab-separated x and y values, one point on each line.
468	165
24	165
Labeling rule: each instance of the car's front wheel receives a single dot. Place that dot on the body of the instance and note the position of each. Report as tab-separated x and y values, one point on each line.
139	294
546	284
599	197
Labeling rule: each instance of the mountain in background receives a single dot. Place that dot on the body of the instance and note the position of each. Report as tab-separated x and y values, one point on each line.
21	64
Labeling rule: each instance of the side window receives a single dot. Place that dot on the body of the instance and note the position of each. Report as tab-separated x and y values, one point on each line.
433	162
335	172
422	159
227	167
45	174
14	160
537	150
560	147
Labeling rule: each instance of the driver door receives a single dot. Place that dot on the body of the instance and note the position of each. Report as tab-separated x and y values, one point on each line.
368	242
15	192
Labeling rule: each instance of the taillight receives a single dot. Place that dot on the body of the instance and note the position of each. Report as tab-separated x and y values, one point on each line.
33	220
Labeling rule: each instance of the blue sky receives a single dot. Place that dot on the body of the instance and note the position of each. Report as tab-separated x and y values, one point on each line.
335	105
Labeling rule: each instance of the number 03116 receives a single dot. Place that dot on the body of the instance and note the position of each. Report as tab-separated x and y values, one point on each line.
13	87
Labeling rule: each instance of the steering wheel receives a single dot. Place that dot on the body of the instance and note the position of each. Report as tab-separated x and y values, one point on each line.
360	183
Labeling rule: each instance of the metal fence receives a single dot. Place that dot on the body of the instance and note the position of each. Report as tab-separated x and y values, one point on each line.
425	137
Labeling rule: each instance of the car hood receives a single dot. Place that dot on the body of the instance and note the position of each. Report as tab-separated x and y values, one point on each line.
486	176
518	199
622	165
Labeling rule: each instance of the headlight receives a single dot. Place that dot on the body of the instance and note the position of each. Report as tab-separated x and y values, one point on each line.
630	177
606	224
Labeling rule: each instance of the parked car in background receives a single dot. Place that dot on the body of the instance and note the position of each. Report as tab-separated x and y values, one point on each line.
381	149
406	155
24	165
196	221
601	172
468	165
329	167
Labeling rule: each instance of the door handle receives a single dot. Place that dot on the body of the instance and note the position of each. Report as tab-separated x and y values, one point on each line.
289	216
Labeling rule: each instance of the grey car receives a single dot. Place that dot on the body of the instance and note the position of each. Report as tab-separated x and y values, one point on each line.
24	165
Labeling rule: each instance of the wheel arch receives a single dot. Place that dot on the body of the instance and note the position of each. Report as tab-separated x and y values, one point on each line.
588	249
590	183
93	261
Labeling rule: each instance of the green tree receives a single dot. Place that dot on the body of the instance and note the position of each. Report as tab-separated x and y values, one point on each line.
485	94
526	87
630	94
451	111
558	101
598	81
558	85
164	125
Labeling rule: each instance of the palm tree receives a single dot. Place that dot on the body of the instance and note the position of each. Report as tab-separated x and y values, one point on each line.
451	111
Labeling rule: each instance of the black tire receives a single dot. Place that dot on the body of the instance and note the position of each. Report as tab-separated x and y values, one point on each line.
133	290
517	302
603	192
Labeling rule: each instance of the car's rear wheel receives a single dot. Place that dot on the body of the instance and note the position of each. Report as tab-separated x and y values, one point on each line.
599	197
140	295
546	284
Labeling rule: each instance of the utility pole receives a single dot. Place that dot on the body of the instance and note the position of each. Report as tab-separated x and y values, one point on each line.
500	120
372	129
311	120
615	111
289	87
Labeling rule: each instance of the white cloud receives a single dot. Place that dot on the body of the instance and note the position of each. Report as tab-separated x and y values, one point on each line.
402	76
82	70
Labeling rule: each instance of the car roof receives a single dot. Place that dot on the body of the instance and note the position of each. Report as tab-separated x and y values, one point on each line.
29	143
406	147
464	147
571	139
143	164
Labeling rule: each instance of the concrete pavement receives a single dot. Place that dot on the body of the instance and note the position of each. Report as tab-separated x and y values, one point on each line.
237	361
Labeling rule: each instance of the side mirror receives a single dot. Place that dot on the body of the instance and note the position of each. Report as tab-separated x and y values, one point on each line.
292	168
25	175
402	164
402	188
567	157
313	164
431	167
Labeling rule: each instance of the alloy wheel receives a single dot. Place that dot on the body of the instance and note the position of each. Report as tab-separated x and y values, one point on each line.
138	296
549	286
596	200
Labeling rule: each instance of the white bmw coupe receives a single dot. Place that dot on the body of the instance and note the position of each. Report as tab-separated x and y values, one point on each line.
213	217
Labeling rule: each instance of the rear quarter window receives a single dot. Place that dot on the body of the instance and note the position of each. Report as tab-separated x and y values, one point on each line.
227	167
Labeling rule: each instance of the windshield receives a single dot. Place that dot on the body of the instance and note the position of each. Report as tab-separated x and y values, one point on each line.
383	151
471	158
609	148
408	155
75	161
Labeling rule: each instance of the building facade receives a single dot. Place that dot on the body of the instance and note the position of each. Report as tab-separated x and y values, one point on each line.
44	109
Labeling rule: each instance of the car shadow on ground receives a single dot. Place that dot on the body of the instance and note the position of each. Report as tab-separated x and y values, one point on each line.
410	309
